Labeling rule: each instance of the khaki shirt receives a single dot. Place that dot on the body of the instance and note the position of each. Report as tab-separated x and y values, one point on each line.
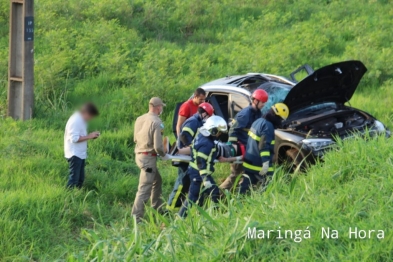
148	132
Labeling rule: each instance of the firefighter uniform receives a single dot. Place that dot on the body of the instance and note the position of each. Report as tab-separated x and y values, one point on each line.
238	133
203	154
148	132
259	149
188	131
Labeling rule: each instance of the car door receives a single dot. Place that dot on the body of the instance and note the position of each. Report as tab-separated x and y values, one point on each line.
237	102
220	103
175	117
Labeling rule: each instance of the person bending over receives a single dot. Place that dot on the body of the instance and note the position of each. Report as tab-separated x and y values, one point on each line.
187	134
258	160
203	154
239	130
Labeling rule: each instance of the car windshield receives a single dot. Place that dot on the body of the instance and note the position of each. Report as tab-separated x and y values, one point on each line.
277	93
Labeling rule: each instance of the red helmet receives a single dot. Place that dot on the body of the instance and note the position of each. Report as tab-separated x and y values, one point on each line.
208	108
260	95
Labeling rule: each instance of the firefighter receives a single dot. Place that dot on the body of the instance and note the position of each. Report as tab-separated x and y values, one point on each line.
187	134
239	130
203	154
258	160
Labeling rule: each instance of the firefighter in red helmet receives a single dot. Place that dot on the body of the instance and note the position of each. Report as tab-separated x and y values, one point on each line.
238	133
187	134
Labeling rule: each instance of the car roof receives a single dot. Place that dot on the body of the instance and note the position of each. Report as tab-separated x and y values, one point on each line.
233	80
226	89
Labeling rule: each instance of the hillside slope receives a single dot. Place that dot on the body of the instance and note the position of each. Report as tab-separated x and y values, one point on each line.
120	53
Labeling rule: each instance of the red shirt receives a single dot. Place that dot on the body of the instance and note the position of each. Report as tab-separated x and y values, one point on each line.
188	109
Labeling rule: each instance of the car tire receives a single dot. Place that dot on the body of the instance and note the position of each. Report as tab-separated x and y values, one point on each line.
295	160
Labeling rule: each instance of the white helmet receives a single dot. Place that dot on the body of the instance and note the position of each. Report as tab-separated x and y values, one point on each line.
213	126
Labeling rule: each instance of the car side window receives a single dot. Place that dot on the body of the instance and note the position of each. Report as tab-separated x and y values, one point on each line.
220	103
238	102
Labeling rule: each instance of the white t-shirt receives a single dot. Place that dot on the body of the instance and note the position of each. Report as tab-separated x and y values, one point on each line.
75	128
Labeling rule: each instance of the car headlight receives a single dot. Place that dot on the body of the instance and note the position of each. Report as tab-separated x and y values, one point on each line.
316	144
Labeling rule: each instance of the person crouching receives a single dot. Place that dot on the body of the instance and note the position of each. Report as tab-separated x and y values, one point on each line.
188	131
201	168
258	160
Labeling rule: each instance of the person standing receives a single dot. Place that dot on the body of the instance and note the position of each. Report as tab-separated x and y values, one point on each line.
188	132
238	133
148	132
258	160
201	168
190	108
75	143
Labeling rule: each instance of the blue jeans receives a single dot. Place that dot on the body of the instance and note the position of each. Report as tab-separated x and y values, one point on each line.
77	172
197	192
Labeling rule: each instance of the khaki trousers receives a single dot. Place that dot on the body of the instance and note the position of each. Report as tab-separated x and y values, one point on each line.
236	170
150	185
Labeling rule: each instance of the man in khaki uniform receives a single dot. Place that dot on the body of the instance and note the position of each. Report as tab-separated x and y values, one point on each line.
148	131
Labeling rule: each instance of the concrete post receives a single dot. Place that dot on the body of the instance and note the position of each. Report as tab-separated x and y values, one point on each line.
21	60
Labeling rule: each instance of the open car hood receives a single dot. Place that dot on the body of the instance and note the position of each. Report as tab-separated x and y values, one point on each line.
332	83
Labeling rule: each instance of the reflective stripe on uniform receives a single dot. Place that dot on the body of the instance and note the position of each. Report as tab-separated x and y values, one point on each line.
194	153
232	139
254	136
193	165
200	154
175	198
202	172
189	130
273	142
255	168
209	159
246	129
270	169
265	153
173	209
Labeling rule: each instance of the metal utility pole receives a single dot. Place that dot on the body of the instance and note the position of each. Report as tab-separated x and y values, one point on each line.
21	60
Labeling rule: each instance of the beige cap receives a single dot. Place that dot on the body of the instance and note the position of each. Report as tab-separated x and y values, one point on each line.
156	101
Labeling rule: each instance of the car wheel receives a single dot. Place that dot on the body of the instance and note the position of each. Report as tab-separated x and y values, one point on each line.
294	160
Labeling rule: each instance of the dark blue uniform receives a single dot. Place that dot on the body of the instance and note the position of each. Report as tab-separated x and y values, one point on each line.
238	134
203	154
188	131
259	149
242	124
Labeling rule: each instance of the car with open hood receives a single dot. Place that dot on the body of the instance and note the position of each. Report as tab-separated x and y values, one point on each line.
317	104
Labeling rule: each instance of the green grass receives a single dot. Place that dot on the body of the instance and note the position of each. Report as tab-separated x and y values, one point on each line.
119	54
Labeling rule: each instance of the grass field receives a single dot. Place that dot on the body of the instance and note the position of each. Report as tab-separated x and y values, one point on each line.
119	54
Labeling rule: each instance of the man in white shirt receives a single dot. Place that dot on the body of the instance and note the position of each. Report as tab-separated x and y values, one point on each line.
75	143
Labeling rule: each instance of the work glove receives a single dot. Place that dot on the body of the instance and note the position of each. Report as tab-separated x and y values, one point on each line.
207	183
166	157
265	168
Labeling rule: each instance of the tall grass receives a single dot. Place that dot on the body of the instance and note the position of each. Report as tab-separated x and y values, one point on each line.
344	192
